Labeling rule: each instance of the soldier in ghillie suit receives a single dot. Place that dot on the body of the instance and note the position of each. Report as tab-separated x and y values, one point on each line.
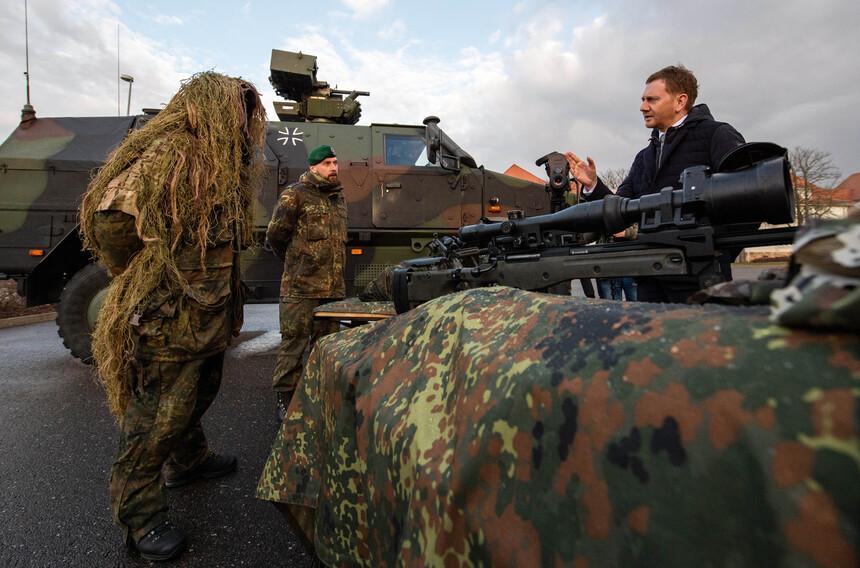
168	214
308	231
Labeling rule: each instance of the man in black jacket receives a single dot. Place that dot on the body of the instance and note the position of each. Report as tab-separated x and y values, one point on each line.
682	136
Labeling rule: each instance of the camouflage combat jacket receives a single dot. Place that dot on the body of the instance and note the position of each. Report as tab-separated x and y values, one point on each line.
195	318
308	231
179	320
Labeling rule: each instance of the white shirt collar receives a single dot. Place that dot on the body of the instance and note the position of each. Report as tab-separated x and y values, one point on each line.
676	125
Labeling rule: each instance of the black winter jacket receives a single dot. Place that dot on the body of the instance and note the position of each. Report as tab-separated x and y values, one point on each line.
698	141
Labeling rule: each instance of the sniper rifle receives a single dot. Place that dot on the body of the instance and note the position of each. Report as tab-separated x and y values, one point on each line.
681	233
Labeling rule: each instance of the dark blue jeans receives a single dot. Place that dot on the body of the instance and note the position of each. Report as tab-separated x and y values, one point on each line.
611	288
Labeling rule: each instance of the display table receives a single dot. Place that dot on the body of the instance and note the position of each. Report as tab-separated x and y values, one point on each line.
352	311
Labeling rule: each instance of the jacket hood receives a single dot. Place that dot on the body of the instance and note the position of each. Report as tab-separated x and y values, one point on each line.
320	182
697	114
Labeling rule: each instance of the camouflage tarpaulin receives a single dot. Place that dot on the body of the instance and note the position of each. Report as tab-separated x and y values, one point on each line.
508	428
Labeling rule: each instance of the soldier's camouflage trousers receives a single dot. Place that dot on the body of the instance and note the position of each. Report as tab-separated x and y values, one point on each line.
161	427
299	332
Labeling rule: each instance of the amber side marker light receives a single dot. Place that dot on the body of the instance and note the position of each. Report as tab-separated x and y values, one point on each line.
37	252
494	209
356	251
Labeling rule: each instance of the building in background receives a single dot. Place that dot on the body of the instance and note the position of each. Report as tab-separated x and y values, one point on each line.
834	202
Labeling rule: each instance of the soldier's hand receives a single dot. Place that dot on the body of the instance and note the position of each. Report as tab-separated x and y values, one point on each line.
585	172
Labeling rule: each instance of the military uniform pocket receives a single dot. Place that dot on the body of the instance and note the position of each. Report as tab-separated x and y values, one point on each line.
196	321
202	328
152	324
205	317
318	227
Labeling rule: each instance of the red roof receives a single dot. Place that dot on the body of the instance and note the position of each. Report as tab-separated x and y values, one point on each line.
846	192
518	172
849	190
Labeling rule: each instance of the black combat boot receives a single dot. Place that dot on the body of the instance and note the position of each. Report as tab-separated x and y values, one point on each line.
161	543
214	466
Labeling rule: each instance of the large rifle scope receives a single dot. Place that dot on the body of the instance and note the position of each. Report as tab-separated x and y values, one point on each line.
757	193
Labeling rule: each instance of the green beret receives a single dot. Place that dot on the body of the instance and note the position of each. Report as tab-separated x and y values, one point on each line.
319	154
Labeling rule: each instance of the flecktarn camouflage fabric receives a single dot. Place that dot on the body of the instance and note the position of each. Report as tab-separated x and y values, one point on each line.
508	428
308	231
826	292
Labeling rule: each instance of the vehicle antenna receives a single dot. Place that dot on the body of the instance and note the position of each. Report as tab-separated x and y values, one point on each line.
117	69
28	106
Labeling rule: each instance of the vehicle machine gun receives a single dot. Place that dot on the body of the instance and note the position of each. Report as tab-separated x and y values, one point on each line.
294	77
681	233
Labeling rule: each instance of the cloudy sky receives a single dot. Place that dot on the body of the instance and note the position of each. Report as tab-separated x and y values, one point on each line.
510	80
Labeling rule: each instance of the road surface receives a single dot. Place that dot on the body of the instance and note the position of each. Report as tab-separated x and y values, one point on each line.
57	441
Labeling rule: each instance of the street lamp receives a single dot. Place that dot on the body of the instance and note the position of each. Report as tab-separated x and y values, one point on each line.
128	79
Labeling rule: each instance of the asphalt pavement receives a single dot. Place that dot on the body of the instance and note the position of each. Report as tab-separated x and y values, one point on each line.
57	442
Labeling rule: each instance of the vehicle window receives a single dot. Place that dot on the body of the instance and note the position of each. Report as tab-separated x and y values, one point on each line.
405	150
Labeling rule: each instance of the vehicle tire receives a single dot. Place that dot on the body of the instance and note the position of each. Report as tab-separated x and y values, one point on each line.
78	309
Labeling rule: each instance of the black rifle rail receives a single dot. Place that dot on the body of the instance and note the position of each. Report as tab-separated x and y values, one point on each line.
657	254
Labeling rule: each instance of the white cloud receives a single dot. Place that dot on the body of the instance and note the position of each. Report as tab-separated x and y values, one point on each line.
394	30
73	53
365	8
576	86
167	20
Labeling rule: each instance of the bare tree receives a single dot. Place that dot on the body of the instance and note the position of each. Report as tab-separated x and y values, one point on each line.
613	177
813	176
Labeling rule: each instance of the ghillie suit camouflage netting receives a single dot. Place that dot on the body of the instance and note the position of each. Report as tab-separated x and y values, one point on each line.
196	161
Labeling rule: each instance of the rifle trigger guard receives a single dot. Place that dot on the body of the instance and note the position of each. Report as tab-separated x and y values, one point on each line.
477	271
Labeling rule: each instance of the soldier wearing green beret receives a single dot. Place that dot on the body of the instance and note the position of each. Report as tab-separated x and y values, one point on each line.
307	231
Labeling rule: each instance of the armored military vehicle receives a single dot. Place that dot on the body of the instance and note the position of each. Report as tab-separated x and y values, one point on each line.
403	184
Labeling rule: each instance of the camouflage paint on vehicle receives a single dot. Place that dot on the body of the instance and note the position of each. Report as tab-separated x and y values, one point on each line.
394	210
396	199
45	167
509	428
